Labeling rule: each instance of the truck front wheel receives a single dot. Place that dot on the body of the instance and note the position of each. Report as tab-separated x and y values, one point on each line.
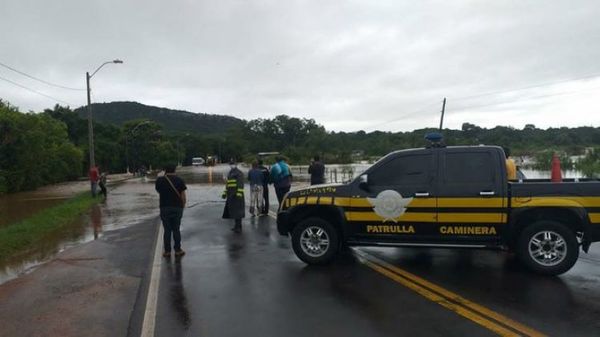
315	241
548	247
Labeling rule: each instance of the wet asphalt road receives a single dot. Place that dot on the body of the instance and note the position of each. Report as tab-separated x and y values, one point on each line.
252	284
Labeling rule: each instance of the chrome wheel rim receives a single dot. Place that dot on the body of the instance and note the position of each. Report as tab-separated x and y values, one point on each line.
548	248
314	241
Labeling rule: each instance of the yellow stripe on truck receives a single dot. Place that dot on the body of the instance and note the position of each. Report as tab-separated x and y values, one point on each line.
470	217
470	202
555	202
363	202
594	218
410	217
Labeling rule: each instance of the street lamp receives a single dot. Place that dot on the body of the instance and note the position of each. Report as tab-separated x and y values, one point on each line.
89	109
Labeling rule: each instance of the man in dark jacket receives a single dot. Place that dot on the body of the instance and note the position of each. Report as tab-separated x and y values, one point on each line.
234	195
317	171
266	175
171	189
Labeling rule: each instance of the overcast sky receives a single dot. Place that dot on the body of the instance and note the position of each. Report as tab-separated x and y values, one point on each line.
350	65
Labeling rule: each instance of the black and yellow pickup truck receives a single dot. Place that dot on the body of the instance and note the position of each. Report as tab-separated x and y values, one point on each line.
455	197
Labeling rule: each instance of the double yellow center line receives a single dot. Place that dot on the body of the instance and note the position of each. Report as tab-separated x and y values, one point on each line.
487	318
483	316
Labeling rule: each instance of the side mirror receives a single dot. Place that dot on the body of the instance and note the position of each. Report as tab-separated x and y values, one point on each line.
363	182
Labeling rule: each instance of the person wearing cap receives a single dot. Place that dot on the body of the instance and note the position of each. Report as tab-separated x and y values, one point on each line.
234	195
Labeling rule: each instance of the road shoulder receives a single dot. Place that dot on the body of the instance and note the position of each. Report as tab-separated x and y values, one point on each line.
79	292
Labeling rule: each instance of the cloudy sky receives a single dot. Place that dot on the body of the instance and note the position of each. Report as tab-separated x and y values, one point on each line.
350	65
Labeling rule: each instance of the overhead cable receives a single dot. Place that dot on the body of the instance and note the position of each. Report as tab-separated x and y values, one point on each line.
527	87
39	79
36	92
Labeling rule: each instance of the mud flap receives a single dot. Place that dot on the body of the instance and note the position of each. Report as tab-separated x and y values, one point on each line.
585	246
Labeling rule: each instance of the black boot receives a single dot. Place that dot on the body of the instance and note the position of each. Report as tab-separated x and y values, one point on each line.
238	226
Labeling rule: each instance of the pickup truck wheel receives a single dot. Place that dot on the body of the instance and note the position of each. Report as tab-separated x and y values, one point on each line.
548	247
315	241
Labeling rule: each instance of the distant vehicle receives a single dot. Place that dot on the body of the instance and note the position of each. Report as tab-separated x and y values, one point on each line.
197	161
210	161
453	197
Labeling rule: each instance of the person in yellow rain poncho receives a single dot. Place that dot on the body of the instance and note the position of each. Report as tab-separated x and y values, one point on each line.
234	195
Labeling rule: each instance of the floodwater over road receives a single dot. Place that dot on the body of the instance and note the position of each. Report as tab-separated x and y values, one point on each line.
128	203
17	206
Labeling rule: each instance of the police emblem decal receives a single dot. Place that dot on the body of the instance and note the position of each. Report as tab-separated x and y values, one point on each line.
389	205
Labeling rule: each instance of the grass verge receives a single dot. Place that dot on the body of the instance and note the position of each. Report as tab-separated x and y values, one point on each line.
22	236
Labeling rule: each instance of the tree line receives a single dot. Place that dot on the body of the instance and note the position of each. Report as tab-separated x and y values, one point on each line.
43	148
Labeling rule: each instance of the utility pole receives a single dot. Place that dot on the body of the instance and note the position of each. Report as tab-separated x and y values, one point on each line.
90	124
443	110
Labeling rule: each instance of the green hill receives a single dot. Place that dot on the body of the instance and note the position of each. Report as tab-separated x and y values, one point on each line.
118	113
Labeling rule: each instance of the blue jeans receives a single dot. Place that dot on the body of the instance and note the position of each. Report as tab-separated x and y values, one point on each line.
171	220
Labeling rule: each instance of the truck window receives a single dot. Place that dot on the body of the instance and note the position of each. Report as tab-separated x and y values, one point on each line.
404	170
468	167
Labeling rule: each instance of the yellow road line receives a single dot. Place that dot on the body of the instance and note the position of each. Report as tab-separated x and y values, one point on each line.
444	302
452	301
476	308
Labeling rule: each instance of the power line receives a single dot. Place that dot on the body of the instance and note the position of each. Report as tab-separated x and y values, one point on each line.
527	87
36	92
463	108
401	117
39	79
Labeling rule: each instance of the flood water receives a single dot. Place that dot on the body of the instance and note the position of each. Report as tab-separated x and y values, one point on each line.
17	206
128	203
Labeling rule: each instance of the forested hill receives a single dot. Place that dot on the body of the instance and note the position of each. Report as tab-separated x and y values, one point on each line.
118	113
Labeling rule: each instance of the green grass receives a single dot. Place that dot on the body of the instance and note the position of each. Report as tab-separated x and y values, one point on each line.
24	235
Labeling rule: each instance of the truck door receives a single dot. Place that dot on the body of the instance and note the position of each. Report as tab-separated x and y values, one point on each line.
399	203
471	190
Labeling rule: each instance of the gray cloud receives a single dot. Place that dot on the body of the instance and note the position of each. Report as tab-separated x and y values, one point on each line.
349	65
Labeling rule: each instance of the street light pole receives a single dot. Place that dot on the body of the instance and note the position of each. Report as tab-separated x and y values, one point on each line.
89	103
90	124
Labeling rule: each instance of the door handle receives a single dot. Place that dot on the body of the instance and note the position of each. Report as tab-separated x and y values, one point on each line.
422	194
487	193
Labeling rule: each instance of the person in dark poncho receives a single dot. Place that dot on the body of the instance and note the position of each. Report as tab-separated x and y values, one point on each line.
234	195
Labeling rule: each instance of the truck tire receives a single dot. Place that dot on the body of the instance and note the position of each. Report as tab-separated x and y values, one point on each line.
548	247
315	241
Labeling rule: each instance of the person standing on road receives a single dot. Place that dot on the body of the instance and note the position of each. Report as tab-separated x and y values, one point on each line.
94	176
171	190
102	184
235	207
317	171
281	177
256	179
265	171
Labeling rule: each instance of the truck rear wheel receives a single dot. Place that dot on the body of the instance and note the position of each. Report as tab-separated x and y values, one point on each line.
315	241
548	247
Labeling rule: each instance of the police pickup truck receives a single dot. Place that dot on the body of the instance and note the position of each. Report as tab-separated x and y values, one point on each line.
454	197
